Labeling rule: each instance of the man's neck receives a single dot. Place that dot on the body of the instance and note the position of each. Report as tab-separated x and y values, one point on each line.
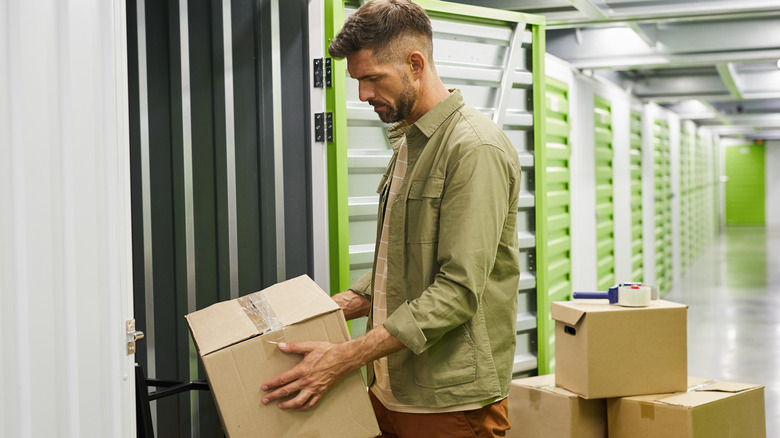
429	97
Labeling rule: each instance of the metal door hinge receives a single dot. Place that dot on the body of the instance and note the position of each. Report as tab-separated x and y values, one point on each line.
323	127
133	336
322	73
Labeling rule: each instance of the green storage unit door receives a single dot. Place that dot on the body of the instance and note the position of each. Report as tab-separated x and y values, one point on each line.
605	209
663	206
700	197
711	192
637	265
745	187
685	199
490	56
558	204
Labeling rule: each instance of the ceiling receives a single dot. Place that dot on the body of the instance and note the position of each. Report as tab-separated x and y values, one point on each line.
712	61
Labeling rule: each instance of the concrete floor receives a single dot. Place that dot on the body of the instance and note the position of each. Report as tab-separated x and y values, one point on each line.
733	294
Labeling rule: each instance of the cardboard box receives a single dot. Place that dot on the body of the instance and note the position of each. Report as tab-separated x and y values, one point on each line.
604	350
709	409
237	342
539	409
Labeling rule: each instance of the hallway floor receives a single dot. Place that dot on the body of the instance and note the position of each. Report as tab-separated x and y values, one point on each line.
733	295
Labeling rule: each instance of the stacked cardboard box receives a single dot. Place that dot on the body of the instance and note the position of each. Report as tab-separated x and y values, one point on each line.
709	408
621	372
538	408
604	350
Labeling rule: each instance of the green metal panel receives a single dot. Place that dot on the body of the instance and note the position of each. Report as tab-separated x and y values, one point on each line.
338	213
685	207
637	260
663	210
558	216
700	233
605	209
745	187
473	47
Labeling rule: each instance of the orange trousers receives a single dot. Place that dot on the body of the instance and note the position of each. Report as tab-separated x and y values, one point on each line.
489	422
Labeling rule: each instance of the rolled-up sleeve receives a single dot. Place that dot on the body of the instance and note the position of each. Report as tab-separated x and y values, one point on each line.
362	286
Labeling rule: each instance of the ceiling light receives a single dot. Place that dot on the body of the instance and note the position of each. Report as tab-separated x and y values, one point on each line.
778	63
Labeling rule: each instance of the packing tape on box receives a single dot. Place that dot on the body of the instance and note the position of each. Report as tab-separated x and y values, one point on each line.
702	386
271	341
535	397
261	314
647	410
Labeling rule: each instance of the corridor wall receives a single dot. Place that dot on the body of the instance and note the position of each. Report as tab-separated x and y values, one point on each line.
665	190
773	183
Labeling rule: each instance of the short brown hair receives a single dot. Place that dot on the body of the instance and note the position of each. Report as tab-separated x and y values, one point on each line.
391	28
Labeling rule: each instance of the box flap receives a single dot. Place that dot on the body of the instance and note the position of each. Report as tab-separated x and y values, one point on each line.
271	309
570	312
298	299
543	383
539	382
732	387
563	311
703	391
220	325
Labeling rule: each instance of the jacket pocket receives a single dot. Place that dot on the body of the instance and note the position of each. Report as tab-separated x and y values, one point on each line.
423	207
451	361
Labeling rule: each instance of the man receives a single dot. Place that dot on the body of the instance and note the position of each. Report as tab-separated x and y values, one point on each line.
442	296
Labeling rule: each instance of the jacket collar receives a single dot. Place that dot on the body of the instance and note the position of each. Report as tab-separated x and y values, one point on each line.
429	122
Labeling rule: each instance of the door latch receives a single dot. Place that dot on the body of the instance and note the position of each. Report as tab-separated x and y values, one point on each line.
133	336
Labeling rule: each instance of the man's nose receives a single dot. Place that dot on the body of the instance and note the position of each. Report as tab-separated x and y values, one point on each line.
365	92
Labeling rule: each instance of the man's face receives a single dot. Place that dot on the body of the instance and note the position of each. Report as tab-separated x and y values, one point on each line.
386	86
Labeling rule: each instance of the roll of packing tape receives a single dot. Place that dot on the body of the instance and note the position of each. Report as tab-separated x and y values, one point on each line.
634	296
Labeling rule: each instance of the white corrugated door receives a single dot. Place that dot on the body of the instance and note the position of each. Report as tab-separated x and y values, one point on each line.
65	272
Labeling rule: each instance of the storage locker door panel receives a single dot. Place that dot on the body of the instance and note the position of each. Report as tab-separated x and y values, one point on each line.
558	211
745	188
637	271
211	182
685	208
605	226
699	195
663	217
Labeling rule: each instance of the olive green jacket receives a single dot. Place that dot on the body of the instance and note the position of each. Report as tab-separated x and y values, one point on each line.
453	258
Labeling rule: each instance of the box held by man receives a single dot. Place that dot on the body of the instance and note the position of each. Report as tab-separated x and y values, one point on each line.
237	342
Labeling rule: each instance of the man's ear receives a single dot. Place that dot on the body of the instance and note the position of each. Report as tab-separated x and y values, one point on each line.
417	62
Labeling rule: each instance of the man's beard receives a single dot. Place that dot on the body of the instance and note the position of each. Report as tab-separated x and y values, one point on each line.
403	105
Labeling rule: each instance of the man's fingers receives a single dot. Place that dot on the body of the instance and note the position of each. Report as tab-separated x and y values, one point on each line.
298	402
283	379
310	404
296	347
282	392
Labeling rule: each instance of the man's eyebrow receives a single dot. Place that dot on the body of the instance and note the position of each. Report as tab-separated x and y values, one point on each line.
373	75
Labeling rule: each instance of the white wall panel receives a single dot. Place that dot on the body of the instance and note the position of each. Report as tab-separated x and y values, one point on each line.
772	183
583	186
649	113
674	147
65	232
621	146
319	156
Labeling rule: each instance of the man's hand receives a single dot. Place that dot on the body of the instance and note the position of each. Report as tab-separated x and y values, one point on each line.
324	365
